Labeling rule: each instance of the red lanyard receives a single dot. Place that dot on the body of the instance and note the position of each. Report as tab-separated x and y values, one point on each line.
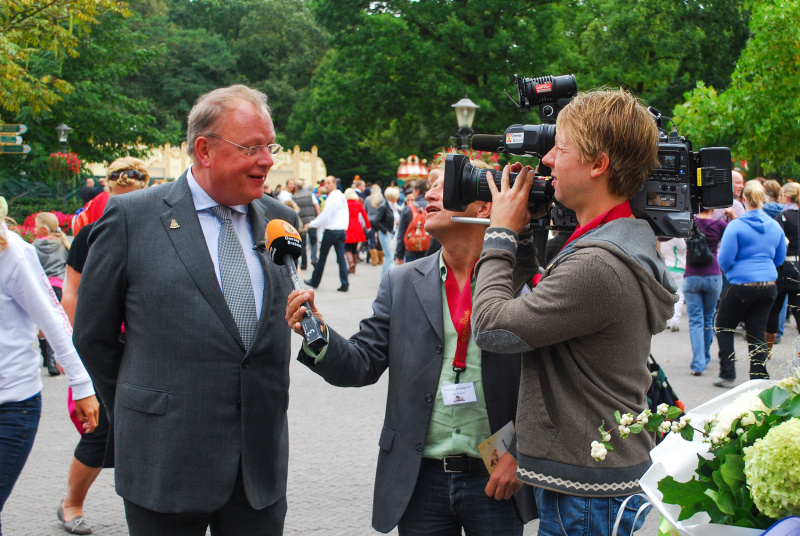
460	305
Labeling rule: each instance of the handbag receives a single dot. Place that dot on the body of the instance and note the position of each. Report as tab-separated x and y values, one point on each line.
788	277
788	274
697	251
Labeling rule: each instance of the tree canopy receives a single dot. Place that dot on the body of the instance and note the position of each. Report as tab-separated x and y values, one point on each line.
371	82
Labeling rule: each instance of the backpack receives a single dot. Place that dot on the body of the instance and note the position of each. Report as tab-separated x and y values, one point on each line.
697	251
416	238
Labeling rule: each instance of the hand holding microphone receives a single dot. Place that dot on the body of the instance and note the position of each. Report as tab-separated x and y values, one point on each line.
284	245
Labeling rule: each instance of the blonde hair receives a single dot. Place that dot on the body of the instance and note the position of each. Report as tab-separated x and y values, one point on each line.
350	194
616	123
209	107
292	205
754	193
772	187
375	196
49	221
392	193
123	164
791	191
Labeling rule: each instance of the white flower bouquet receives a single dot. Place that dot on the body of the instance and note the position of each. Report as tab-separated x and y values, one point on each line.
731	467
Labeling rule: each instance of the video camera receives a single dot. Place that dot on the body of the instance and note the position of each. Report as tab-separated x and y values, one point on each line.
670	196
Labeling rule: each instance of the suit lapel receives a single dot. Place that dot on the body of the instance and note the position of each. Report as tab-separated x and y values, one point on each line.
429	292
258	223
183	228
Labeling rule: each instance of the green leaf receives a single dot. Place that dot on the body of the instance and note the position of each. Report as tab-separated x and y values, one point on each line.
674	412
687	433
732	471
789	408
636	428
617	416
688	495
773	397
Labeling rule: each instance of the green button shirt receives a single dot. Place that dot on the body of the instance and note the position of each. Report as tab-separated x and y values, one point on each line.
457	429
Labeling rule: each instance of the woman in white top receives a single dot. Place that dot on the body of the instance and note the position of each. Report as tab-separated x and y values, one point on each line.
26	301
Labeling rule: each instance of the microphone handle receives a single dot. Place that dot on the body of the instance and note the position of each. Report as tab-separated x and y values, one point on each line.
312	329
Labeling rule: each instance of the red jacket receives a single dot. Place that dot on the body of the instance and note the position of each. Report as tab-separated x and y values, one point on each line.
355	233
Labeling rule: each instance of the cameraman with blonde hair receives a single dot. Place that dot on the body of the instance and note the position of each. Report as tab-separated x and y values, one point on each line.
586	325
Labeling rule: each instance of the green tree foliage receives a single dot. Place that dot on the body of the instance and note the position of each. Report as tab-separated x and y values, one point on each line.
28	27
395	67
271	45
385	89
758	115
106	121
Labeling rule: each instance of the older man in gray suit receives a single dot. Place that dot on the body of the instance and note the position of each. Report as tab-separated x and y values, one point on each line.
197	392
430	477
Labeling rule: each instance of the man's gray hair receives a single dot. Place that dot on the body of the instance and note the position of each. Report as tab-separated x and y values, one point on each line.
210	106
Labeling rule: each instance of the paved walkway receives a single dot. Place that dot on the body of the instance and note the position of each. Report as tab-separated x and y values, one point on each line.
333	435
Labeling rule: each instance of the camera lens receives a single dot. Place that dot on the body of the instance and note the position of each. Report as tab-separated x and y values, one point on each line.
465	184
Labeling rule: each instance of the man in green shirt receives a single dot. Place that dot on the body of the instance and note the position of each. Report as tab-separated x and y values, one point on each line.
445	397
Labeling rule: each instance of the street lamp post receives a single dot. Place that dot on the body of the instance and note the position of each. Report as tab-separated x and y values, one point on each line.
63	134
465	114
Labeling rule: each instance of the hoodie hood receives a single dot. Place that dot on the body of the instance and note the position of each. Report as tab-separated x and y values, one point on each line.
633	242
757	219
47	246
52	255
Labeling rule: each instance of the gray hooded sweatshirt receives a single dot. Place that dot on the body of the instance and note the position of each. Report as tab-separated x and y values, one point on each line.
586	330
53	256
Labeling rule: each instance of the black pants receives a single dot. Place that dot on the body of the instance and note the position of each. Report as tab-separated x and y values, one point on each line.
235	518
334	239
309	241
752	305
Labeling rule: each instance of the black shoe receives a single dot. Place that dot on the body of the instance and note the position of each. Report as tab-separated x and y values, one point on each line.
313	262
309	283
343	288
303	267
50	360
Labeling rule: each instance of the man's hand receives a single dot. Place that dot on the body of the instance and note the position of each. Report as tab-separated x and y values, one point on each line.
398	262
510	204
503	483
296	309
88	411
307	226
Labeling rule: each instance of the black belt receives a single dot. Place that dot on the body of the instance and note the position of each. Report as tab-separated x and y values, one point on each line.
759	284
455	464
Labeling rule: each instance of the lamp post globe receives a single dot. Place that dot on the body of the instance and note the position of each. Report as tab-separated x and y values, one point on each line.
63	135
465	113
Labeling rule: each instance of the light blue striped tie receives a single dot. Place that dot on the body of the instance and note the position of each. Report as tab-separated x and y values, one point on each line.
236	285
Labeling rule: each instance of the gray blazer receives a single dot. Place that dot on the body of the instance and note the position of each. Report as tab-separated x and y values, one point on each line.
406	335
186	401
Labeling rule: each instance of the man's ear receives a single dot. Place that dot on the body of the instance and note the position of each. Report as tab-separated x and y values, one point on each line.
484	209
601	165
201	151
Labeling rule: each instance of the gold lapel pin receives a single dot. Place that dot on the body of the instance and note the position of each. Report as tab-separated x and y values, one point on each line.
173	224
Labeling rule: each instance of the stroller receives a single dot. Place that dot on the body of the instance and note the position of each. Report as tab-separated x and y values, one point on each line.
660	391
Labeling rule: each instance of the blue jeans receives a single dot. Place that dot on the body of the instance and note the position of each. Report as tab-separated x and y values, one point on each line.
388	253
444	503
19	422
570	515
701	293
330	239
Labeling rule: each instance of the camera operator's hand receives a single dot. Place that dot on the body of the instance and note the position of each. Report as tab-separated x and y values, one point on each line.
510	204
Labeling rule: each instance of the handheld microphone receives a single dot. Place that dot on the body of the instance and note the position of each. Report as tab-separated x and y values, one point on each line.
284	245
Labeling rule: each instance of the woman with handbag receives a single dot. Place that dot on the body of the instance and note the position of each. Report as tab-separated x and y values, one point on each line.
788	282
702	284
752	248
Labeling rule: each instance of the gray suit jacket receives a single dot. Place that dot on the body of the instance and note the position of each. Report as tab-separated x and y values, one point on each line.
406	335
187	402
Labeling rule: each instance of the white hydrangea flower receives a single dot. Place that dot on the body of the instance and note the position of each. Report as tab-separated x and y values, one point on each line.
741	408
607	438
664	427
643	417
624	430
662	409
